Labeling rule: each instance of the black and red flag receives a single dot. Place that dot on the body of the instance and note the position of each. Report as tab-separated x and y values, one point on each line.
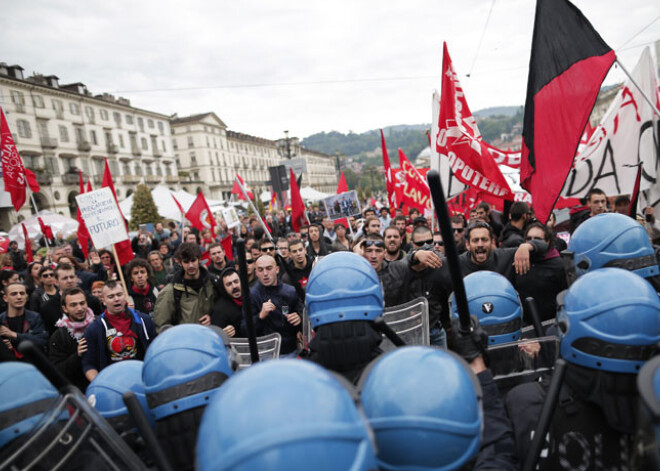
568	64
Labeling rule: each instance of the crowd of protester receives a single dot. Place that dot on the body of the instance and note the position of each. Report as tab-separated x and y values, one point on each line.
77	311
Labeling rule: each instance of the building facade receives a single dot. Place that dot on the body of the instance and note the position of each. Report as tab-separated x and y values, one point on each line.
209	156
59	129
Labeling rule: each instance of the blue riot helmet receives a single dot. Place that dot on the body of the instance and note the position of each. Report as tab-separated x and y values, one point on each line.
646	454
424	406
609	320
343	287
610	240
494	301
26	397
106	390
183	368
284	415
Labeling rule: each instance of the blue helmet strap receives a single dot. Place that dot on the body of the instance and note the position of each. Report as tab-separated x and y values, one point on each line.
209	381
614	351
21	413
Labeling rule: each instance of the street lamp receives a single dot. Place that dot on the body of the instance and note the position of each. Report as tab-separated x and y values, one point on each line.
285	148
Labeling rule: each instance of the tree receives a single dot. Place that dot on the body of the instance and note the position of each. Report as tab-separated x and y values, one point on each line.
144	209
259	205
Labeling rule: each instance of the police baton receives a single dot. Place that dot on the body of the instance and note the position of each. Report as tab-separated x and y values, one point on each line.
451	252
533	310
247	305
545	418
147	433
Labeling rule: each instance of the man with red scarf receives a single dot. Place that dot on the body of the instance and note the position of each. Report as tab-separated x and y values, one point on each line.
120	333
227	312
67	344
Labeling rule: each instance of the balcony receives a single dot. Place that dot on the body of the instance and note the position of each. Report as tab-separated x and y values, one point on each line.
59	114
48	142
84	146
98	179
72	178
153	178
172	179
136	151
131	179
43	177
113	148
157	152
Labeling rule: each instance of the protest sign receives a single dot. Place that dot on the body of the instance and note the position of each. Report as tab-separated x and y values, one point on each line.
102	217
342	205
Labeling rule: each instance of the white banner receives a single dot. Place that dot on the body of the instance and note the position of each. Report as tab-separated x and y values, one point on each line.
102	217
622	140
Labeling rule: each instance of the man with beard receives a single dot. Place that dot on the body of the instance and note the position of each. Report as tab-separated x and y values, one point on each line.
393	244
140	289
120	333
301	264
67	344
227	312
190	296
158	269
219	260
512	234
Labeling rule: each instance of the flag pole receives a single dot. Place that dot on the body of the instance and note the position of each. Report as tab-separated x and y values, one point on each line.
630	77
254	209
36	212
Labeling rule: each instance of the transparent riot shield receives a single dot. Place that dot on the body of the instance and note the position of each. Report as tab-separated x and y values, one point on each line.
268	347
410	321
307	331
524	361
70	436
528	331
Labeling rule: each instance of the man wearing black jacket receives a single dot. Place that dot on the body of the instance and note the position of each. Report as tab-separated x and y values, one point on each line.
51	312
67	343
301	264
219	260
227	312
512	234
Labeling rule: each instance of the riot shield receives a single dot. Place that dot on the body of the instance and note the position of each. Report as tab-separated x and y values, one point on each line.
410	321
524	361
528	330
268	347
70	436
307	331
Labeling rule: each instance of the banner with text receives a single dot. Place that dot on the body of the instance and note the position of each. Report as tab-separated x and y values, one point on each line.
102	217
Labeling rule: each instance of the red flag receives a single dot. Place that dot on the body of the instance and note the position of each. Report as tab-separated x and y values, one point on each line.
389	177
200	215
569	62
89	186
297	205
45	229
459	138
32	181
177	203
82	233
123	248
28	245
415	191
13	171
342	187
226	246
236	189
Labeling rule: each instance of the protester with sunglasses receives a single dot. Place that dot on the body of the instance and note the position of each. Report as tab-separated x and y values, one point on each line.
46	290
458	227
438	243
546	277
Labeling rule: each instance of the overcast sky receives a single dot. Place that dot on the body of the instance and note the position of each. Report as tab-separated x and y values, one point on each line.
305	66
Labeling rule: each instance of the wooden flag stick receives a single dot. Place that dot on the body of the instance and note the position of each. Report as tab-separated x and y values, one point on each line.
121	276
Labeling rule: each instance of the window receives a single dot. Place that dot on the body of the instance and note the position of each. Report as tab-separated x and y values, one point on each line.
138	170
69	164
117	117
147	168
24	129
191	143
104	115
129	119
164	146
94	139
150	123
98	166
51	165
159	171
89	111
64	133
141	124
85	165
37	101
168	169
174	144
161	127
121	141
143	142
125	170
80	136
58	107
17	98
30	161
74	108
114	167
196	176
193	159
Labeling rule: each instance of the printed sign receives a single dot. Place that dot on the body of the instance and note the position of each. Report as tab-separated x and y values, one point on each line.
342	205
102	217
230	217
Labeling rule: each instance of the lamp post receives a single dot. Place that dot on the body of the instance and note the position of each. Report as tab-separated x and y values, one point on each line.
285	148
